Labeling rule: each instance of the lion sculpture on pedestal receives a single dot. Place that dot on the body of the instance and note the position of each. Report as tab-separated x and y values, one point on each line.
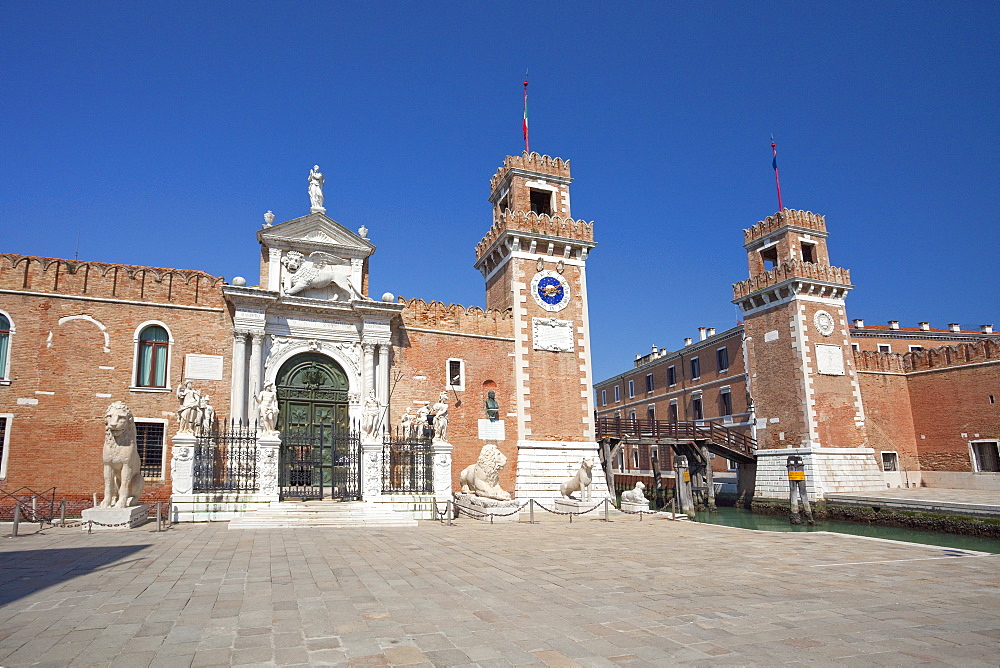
483	477
123	481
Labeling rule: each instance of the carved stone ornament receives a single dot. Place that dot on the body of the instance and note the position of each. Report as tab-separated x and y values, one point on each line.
372	474
317	271
553	335
267	465
824	323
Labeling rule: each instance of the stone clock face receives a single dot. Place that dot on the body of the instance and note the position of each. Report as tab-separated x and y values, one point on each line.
550	290
824	323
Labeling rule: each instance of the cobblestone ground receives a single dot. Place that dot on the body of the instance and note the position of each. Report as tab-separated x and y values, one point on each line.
588	593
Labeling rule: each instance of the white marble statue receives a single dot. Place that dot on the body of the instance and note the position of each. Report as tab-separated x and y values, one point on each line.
316	182
189	414
267	410
123	480
635	495
319	270
440	410
406	424
420	422
207	414
483	477
579	482
370	415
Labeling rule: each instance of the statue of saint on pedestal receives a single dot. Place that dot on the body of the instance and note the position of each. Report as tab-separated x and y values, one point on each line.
440	410
316	181
267	410
189	413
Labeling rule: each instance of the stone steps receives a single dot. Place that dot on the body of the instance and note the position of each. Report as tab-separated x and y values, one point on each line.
321	514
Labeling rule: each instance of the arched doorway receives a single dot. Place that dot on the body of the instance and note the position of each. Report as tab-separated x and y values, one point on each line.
320	455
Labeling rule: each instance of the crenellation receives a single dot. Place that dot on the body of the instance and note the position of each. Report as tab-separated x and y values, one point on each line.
531	162
533	223
788	270
456	318
796	218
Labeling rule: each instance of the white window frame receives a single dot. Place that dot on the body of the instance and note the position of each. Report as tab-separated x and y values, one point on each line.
135	357
651	412
697	396
5	372
166	443
856	347
717	357
635	458
880	346
650	386
631	389
6	444
727	418
460	386
676	409
972	454
618	393
673	374
604	397
691	363
914	349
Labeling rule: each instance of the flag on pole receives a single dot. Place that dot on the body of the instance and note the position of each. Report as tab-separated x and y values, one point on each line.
774	164
524	125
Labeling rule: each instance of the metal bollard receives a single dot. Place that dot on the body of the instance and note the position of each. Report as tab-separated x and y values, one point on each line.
158	515
606	518
17	519
34	508
531	511
450	512
95	499
62	512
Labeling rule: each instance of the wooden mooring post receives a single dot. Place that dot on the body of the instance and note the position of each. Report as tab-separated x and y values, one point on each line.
797	490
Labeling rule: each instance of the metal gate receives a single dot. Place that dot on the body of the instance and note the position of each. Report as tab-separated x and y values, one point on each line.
324	466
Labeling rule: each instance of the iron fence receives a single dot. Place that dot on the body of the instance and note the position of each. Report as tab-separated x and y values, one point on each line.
35	506
407	465
225	458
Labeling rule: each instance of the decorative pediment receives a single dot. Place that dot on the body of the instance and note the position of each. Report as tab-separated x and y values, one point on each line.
315	232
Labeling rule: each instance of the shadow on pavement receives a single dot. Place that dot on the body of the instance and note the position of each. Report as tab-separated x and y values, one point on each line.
24	572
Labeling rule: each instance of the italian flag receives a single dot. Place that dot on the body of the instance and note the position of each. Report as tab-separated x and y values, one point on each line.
524	125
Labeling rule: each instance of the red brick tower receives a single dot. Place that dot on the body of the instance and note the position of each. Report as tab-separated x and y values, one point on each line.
800	366
534	261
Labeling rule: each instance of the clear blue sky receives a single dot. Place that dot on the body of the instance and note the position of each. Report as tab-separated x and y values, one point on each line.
161	132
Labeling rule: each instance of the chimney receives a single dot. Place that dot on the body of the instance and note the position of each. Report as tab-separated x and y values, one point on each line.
711	331
638	357
986	329
701	333
893	324
955	326
924	326
859	323
655	350
687	341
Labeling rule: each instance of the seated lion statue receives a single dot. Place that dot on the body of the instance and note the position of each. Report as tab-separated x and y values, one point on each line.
483	477
123	481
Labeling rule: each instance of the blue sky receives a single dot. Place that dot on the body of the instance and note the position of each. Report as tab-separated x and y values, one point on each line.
159	133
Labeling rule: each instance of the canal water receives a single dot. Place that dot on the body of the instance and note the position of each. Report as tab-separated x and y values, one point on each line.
738	517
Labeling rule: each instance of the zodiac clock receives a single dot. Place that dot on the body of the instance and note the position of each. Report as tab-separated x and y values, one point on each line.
550	290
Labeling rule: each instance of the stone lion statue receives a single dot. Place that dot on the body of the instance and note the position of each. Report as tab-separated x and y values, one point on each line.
483	477
580	482
635	495
319	270
123	481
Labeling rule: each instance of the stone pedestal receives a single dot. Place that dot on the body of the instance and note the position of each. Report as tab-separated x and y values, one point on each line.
371	470
630	507
115	518
489	510
564	505
441	455
182	464
827	471
268	448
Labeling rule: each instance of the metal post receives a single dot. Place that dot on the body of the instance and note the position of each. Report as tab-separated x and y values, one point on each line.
606	518
34	507
95	499
158	515
450	512
90	526
62	512
17	519
531	511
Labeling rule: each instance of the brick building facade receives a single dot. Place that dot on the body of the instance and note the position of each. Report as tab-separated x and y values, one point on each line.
867	406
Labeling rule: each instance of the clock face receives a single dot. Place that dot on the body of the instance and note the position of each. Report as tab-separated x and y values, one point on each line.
824	323
550	290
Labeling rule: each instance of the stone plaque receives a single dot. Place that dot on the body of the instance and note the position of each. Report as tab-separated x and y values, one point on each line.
551	334
491	431
203	367
829	359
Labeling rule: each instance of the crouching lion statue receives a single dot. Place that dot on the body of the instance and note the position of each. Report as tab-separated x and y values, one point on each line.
123	481
483	477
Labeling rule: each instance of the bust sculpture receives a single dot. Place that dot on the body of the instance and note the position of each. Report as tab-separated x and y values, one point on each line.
316	181
492	406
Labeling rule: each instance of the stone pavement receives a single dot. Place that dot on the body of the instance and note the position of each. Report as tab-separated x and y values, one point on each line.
974	502
588	593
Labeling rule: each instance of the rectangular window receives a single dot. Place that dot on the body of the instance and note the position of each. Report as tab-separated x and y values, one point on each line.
884	348
4	438
807	253
671	375
696	408
857	347
651	412
726	403
149	440
620	459
673	410
618	393
635	458
916	348
695	368
890	462
631	415
631	389
456	375
604	397
732	465
986	457
722	358
541	202
649	382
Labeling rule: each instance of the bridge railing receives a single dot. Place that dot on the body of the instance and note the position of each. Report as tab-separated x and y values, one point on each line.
712	430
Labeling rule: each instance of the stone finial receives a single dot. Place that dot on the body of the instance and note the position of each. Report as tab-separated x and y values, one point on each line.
268	218
363	232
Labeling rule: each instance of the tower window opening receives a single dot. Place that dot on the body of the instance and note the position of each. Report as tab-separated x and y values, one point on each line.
541	202
770	258
807	253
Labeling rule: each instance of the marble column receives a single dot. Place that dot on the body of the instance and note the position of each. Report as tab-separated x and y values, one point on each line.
368	363
256	345
238	405
383	384
268	448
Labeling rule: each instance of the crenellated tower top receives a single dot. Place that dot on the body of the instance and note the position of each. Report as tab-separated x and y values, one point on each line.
805	220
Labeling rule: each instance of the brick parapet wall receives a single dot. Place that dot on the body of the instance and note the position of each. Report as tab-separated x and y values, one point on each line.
531	162
796	218
788	270
962	354
101	280
533	223
456	318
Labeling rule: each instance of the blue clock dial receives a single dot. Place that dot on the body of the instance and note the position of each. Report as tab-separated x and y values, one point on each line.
550	290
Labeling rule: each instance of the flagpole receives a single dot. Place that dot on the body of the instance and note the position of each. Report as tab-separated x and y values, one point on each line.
524	124
774	163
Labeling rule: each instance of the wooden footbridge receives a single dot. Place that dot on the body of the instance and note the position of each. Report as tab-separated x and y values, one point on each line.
696	440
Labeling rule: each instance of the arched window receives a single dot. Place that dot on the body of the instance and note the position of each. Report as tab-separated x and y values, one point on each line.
4	345
151	369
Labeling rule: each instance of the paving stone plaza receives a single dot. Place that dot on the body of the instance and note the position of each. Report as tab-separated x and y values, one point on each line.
589	593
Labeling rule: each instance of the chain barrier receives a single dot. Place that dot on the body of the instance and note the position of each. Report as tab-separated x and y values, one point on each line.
62	523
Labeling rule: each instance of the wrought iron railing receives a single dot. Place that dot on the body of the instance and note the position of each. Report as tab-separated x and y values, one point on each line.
710	430
407	465
225	458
